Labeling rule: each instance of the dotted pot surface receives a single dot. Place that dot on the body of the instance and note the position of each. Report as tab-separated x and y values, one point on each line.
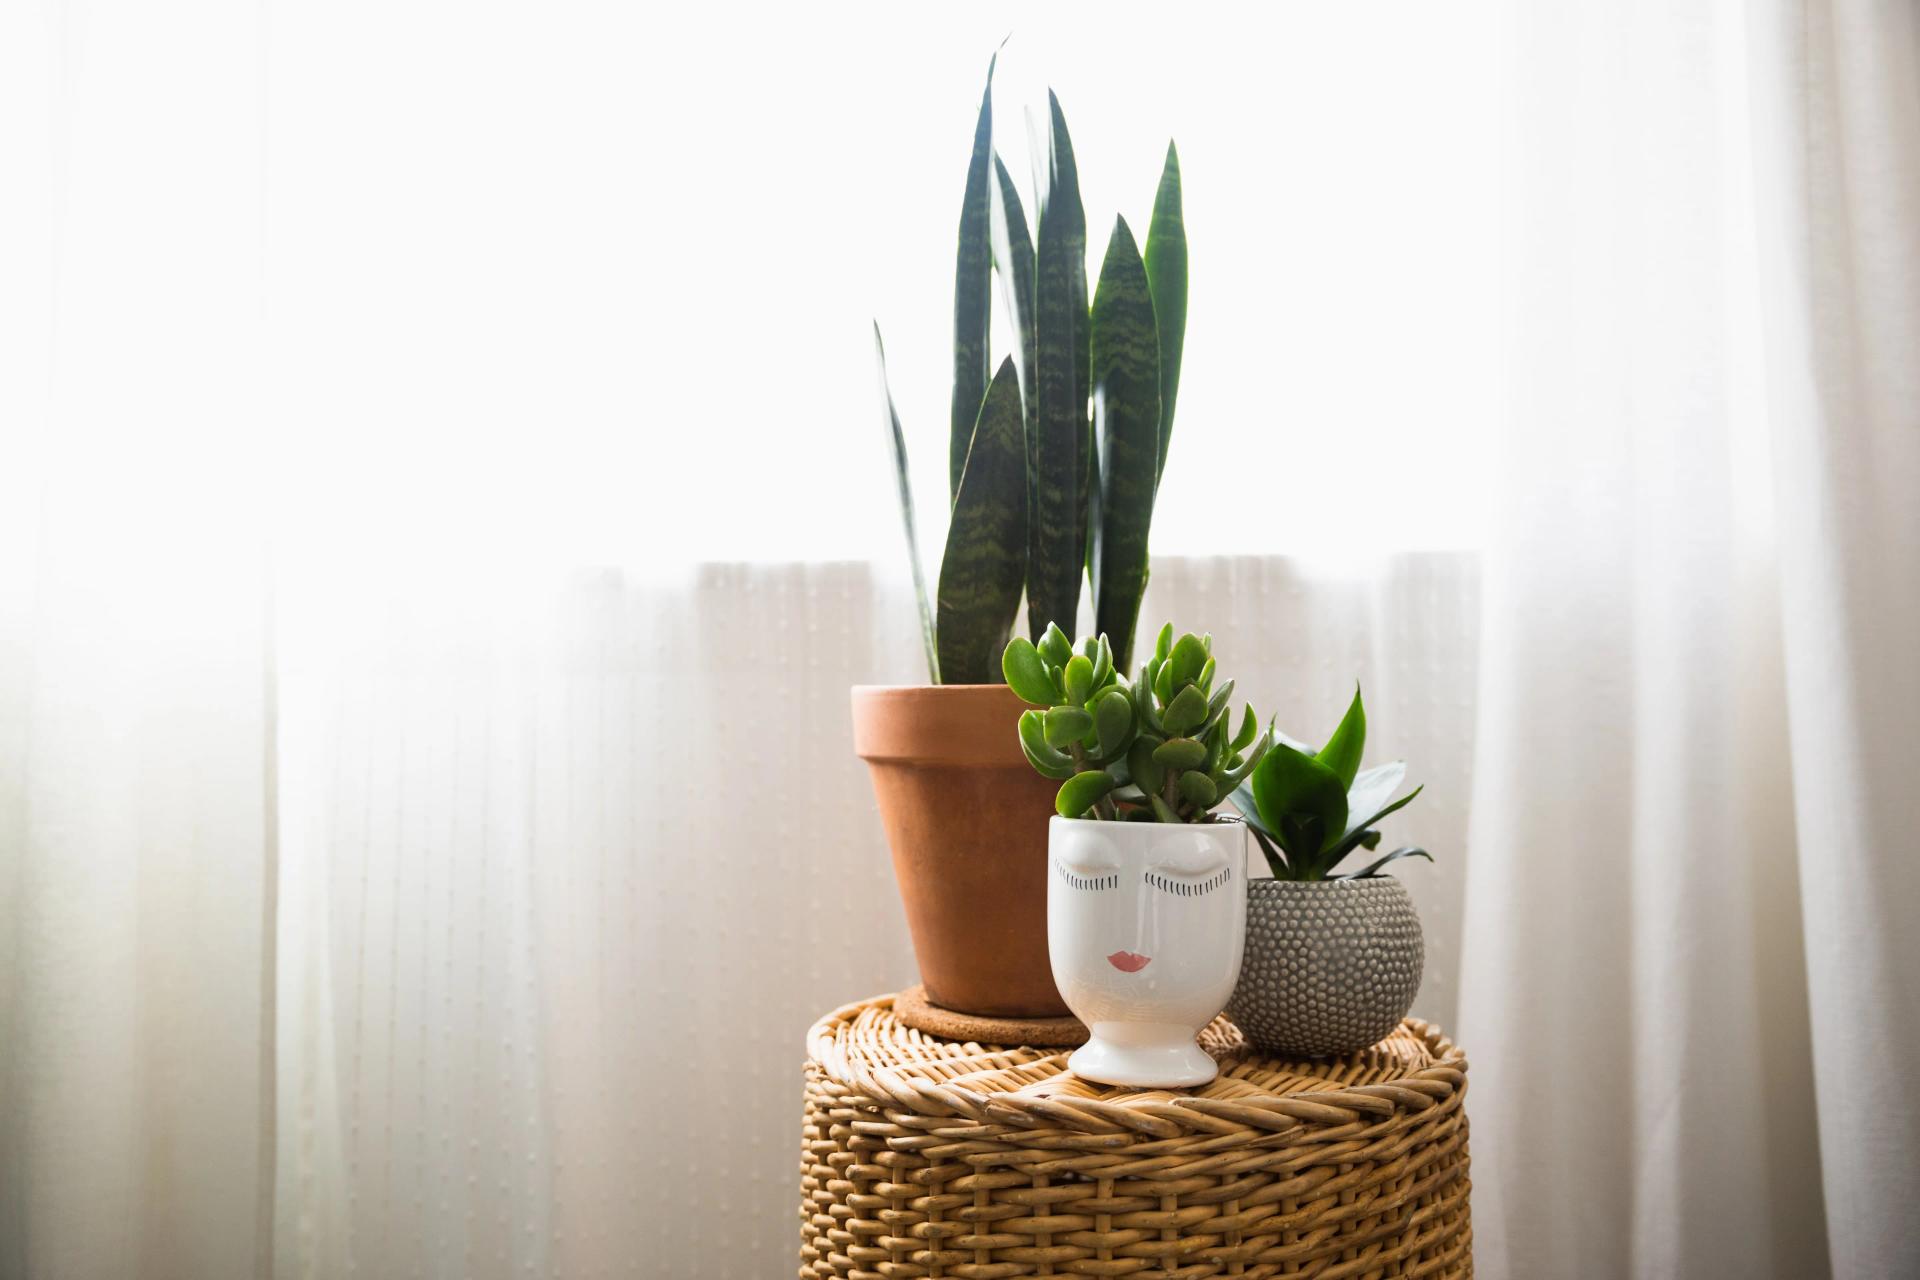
1331	966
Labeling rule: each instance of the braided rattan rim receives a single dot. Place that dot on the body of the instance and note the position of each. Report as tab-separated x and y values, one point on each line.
864	1048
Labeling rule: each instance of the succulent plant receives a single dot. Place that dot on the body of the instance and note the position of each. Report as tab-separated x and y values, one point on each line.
1159	749
1309	809
1053	462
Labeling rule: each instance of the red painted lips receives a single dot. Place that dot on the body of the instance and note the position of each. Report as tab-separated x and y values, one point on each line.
1127	962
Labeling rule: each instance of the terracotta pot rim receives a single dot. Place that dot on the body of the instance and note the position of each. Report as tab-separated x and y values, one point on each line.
938	724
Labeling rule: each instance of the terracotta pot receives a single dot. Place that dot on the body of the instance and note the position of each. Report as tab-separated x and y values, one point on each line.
966	818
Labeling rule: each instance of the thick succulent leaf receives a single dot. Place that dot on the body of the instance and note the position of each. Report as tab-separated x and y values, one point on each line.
1188	657
1371	790
1180	753
1067	725
1013	265
1041	754
1186	712
1078	677
1025	673
972	308
1126	398
1082	791
899	441
1056	553
985	560
1166	262
1374	868
1113	720
1342	752
1295	794
1198	789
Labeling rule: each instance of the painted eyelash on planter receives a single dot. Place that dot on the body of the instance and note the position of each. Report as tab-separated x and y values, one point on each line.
1189	888
1111	881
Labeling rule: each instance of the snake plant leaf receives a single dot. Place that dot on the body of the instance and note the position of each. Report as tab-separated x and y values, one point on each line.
972	309
1056	551
1082	791
1013	265
1300	800
1126	399
904	479
1342	752
1063	185
1025	673
1166	262
985	558
1410	851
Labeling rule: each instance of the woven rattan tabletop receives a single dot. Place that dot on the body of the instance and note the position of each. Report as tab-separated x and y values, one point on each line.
931	1157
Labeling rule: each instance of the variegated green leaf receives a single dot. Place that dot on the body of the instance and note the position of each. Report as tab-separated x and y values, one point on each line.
972	310
1057	530
1013	265
985	559
899	442
1166	261
1126	397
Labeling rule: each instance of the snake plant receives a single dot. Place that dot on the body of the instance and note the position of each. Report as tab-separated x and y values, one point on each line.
1161	749
1054	456
1309	809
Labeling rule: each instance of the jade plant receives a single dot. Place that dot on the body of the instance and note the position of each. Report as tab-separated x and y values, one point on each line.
1159	749
1054	455
1309	809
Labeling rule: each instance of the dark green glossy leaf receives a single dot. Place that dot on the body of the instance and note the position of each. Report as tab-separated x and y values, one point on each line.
899	442
1276	860
1057	536
980	574
1343	749
1409	851
1013	265
1025	673
1166	262
1082	791
1300	800
1126	399
972	309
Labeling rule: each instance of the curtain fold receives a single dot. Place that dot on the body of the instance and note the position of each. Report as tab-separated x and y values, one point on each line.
1679	979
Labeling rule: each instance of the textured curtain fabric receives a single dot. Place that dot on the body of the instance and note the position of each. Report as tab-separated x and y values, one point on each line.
566	874
375	901
1687	989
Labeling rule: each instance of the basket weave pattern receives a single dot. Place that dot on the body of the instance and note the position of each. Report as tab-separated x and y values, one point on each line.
928	1157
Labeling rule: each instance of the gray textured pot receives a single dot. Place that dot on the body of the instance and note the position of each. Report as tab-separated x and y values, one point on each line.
1331	965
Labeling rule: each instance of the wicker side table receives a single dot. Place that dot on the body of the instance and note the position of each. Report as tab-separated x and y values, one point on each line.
930	1157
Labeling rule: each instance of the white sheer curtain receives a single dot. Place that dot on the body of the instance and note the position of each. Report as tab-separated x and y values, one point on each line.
381	893
1689	999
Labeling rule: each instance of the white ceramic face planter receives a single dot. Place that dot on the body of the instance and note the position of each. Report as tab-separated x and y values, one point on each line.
1146	922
